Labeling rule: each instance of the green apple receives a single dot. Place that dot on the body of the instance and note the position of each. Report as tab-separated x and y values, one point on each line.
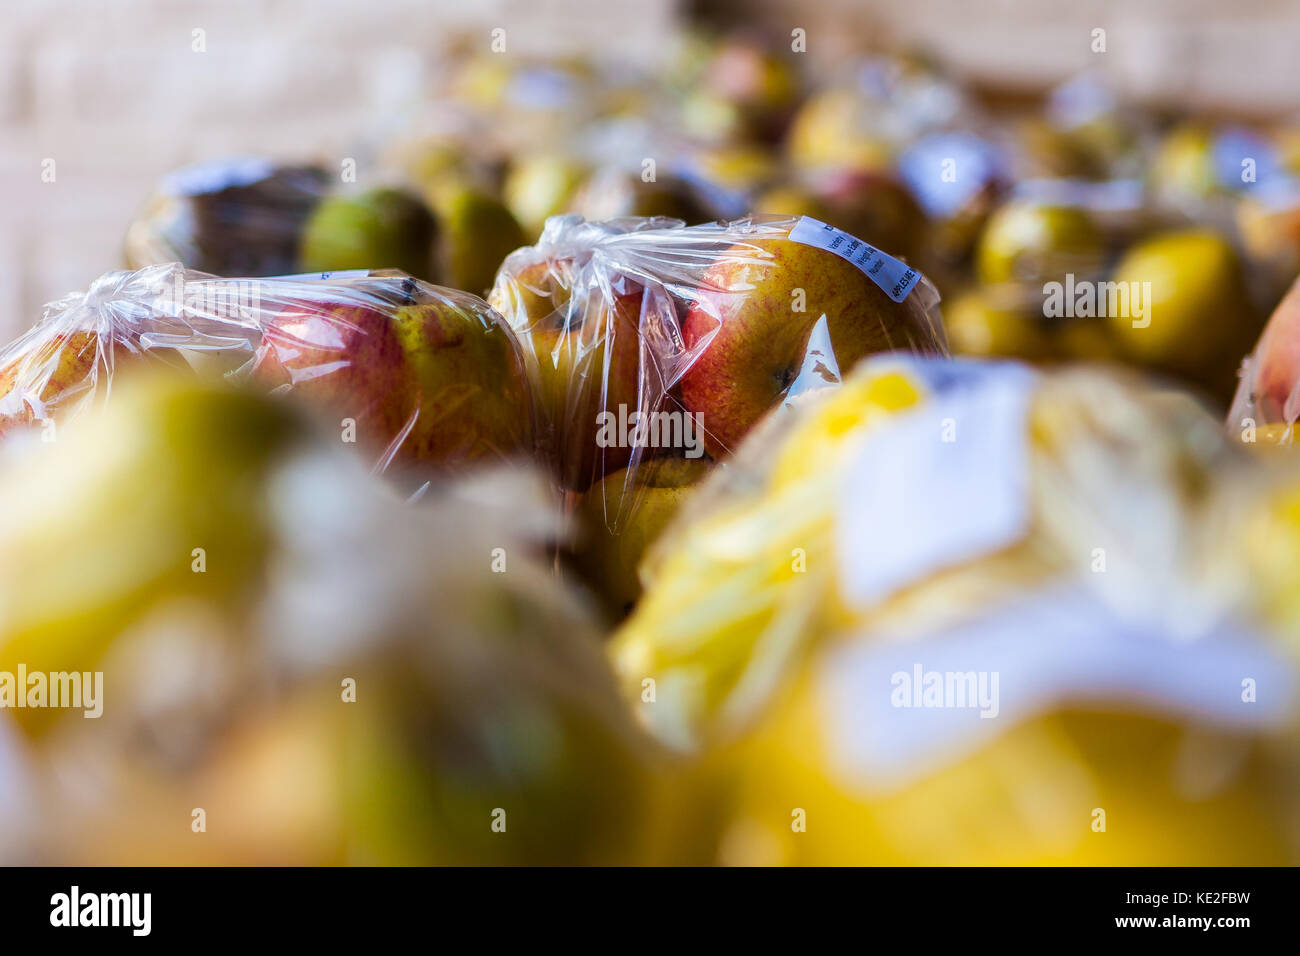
980	324
430	377
478	232
380	229
1030	243
1198	320
622	516
1183	167
751	343
539	185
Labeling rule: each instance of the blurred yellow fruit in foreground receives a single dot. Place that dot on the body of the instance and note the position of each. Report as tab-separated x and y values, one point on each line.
331	673
1096	641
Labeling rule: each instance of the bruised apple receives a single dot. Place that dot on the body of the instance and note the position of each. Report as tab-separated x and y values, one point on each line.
427	377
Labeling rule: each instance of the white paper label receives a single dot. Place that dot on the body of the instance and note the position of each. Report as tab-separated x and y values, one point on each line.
939	485
899	706
896	278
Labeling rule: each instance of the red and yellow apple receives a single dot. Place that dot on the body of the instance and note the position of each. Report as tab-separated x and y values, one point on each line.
47	376
434	378
1277	361
588	354
749	341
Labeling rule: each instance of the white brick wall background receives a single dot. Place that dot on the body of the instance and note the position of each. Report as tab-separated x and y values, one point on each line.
113	92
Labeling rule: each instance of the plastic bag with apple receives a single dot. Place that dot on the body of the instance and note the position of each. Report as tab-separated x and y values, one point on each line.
656	347
1267	402
420	377
950	610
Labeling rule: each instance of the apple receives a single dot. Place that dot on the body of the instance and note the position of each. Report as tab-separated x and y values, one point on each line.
1051	152
622	516
539	185
1269	229
980	323
1276	362
48	376
749	343
1182	169
588	358
744	92
1030	243
1198	320
830	132
380	229
430	376
793	200
478	232
726	178
477	690
875	207
37	381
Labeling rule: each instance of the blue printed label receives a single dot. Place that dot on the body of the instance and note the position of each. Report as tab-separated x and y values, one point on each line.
896	278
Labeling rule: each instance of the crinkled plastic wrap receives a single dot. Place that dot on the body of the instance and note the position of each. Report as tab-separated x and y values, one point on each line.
250	624
418	376
967	613
657	347
233	217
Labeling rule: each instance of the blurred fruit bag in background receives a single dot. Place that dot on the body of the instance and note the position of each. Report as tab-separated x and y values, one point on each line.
422	378
959	613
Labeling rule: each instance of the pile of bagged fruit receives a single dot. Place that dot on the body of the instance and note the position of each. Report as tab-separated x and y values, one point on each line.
625	494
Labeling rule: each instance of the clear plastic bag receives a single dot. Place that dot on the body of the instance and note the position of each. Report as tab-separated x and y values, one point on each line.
1267	402
652	342
420	377
1049	545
